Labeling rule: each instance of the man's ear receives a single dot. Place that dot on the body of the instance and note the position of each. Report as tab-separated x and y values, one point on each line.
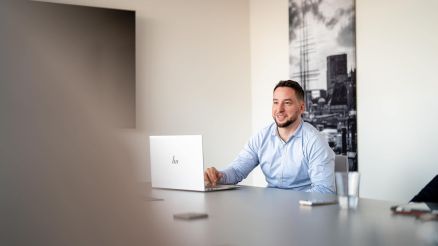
302	107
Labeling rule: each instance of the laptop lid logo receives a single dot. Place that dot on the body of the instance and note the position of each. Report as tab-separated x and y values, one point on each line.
174	161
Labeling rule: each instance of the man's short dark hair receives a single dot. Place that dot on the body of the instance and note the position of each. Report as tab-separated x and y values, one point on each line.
294	86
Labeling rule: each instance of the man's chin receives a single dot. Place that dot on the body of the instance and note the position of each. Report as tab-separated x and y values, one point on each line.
285	124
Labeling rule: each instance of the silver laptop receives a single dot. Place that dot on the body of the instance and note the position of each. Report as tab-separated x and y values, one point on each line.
177	162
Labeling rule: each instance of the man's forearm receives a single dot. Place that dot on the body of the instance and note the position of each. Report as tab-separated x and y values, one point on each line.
229	176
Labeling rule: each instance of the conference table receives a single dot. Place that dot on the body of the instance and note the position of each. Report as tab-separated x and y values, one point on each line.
269	216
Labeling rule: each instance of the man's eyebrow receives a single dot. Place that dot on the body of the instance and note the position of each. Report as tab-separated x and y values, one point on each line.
287	99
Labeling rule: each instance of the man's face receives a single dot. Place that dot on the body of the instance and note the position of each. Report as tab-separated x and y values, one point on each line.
286	108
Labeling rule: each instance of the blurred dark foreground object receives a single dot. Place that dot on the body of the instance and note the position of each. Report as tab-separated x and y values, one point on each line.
65	178
429	193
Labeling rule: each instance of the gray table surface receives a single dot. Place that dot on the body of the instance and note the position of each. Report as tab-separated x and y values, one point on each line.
268	216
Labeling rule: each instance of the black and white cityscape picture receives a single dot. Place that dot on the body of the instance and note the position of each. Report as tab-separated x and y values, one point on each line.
323	60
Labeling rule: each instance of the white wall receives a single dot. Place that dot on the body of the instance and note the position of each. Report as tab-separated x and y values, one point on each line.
397	52
397	56
192	72
269	61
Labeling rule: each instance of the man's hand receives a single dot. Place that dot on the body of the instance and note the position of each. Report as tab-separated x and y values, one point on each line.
212	176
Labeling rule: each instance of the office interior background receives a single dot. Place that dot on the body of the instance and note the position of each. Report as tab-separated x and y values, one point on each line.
208	67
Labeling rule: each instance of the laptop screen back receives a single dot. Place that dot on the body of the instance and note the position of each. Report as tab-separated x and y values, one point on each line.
177	162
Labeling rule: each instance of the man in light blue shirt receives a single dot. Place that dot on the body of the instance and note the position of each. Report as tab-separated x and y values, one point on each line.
291	153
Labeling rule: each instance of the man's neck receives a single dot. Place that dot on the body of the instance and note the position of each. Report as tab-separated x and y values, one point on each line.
286	132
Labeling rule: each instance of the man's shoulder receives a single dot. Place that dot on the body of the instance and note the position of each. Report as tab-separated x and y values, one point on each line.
313	138
268	129
260	138
309	131
264	132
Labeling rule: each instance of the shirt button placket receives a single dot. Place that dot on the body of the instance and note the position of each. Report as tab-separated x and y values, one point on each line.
283	162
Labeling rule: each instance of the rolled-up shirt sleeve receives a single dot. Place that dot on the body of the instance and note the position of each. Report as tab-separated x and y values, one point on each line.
321	166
